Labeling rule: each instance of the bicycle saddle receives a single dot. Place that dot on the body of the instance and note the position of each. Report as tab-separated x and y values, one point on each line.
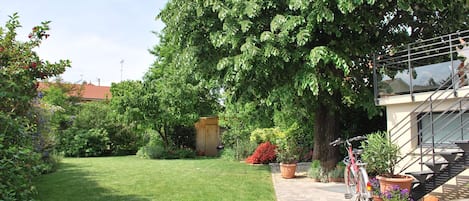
357	151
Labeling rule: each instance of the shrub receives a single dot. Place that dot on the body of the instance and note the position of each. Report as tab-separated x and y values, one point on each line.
53	161
185	153
244	149
18	165
265	153
229	154
157	151
81	142
316	172
266	135
151	151
97	142
20	70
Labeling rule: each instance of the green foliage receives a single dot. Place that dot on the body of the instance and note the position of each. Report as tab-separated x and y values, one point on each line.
380	154
20	138
125	101
93	115
18	166
241	119
261	135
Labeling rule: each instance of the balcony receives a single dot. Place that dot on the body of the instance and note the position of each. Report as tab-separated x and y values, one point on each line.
422	66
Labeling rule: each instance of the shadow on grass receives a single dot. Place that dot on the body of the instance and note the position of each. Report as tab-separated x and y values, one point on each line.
72	183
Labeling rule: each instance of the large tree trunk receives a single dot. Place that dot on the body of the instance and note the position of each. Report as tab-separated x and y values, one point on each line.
326	128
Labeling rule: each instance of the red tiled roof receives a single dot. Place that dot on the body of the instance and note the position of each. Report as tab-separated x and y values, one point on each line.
96	92
87	91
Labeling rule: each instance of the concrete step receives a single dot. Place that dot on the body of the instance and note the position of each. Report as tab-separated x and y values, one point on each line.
436	166
421	176
463	144
450	156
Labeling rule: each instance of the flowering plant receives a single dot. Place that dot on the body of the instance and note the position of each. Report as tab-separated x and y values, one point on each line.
375	186
396	194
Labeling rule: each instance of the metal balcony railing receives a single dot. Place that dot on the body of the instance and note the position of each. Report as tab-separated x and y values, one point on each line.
422	66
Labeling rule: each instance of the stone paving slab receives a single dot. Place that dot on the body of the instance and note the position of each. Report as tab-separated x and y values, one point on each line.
303	188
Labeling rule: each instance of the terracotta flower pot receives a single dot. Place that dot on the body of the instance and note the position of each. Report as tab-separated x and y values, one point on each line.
377	198
287	170
387	183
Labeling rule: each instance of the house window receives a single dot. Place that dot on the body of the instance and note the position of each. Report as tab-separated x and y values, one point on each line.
447	127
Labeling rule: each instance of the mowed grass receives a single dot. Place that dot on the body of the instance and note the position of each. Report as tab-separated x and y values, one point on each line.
131	178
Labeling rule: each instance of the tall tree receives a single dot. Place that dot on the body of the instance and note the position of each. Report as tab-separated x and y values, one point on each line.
171	96
263	50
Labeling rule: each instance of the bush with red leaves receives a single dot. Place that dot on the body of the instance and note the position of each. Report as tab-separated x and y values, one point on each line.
265	153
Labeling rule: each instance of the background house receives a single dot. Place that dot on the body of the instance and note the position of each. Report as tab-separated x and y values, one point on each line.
86	91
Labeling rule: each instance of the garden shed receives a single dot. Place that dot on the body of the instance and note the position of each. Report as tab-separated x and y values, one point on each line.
208	136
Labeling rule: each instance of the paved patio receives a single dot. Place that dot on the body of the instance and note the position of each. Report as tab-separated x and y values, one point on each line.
303	188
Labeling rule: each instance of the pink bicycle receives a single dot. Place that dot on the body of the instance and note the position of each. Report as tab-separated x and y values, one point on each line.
358	186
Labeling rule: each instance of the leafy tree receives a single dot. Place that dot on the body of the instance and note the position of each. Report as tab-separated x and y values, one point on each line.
129	131
126	99
20	70
316	53
171	95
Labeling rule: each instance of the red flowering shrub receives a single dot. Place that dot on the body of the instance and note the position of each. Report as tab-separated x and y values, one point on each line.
265	153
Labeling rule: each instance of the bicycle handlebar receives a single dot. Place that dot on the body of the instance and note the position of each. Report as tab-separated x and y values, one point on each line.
340	141
336	142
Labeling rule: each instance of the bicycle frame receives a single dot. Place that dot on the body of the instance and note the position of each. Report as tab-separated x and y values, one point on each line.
355	173
352	164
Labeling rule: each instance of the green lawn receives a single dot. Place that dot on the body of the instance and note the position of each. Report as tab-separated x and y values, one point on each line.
131	178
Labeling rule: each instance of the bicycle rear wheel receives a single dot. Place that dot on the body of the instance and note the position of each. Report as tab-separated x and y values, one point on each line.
363	193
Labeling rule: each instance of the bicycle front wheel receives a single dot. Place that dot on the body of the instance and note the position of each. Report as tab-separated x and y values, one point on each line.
355	184
363	193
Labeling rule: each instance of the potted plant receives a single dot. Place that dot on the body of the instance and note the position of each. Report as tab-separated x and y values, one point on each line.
381	156
315	171
337	174
287	155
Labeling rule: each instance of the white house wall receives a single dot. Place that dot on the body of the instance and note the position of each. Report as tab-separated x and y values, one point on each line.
399	108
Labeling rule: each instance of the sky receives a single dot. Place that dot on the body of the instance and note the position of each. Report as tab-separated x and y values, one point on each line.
95	35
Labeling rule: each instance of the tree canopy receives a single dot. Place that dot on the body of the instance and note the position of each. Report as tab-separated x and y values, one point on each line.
310	55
